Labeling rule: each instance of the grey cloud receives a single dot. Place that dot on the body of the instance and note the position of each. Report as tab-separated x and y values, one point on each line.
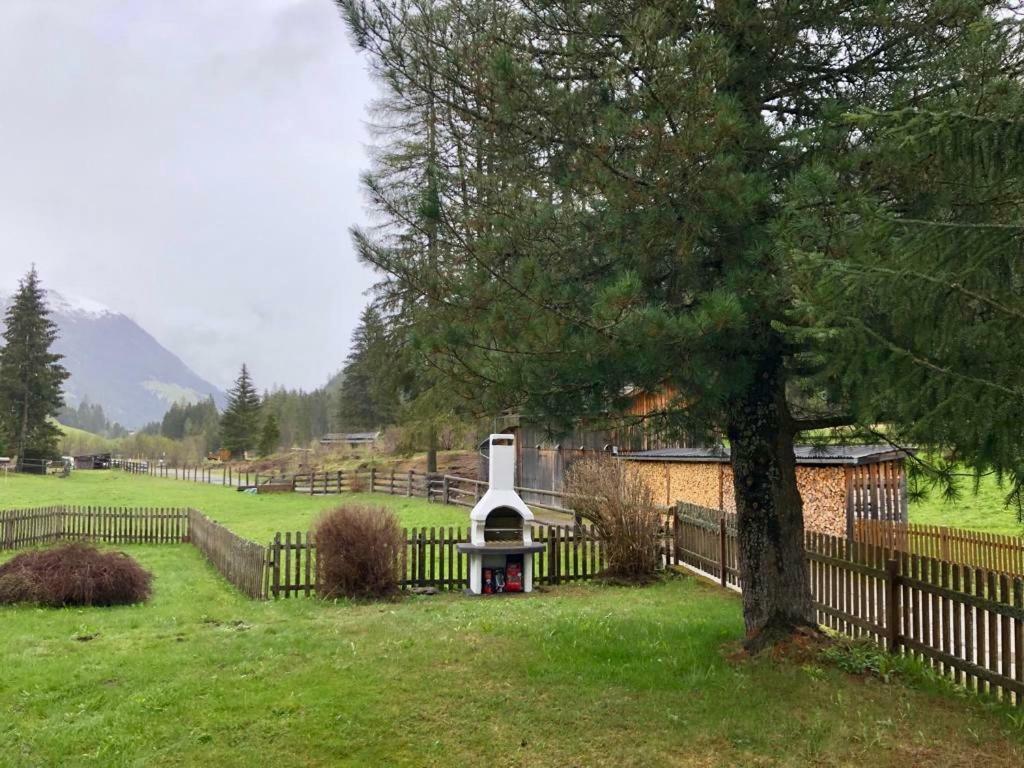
195	165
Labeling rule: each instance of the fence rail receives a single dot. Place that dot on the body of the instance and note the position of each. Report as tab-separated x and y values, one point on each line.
431	559
966	622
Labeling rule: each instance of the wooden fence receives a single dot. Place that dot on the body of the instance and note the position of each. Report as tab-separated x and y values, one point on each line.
990	551
431	559
240	561
447	489
966	622
109	525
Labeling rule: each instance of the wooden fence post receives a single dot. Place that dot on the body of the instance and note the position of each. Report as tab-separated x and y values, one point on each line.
675	535
373	478
892	576
391	484
275	570
721	549
444	491
408	487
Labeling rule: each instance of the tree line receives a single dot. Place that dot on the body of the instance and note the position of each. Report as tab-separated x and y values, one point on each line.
367	394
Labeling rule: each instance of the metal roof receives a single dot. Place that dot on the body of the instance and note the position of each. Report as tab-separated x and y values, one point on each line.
805	454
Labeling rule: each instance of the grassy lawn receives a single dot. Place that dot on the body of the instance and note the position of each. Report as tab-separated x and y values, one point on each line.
250	515
583	676
983	511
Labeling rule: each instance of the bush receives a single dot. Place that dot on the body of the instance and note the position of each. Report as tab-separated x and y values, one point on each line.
359	552
357	483
73	574
613	495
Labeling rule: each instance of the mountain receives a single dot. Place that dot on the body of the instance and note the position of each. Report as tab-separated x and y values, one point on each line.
115	363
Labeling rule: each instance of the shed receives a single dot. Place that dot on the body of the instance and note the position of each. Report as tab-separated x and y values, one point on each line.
93	461
838	483
350	439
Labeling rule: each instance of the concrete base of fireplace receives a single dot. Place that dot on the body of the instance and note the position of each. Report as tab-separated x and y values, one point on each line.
492	555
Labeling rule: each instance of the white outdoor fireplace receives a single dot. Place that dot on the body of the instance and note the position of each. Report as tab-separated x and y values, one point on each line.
500	546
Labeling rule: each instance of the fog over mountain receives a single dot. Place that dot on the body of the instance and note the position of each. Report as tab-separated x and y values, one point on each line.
115	362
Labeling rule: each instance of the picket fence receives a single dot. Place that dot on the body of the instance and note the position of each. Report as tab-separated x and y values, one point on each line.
241	562
990	551
966	622
431	559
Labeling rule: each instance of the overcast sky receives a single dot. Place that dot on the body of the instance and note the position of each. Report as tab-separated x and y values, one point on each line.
194	164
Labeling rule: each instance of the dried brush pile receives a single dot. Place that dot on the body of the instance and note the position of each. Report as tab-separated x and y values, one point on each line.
73	574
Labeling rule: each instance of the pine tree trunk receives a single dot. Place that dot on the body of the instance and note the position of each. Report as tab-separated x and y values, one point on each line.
23	432
432	451
773	567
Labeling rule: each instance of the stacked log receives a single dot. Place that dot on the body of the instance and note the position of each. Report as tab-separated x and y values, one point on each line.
710	484
696	483
823	490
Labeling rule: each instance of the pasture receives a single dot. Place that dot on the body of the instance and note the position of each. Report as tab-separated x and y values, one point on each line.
253	516
588	675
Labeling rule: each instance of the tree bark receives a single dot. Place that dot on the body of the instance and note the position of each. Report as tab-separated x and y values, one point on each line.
432	450
773	566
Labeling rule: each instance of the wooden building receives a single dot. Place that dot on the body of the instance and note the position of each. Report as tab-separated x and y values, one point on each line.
838	483
350	439
93	461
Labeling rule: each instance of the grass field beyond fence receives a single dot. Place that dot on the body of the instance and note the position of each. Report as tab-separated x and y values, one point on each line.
252	516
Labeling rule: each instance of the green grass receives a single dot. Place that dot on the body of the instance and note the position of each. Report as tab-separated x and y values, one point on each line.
590	675
254	516
981	511
583	675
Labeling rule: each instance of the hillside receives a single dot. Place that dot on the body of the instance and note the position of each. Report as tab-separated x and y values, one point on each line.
114	362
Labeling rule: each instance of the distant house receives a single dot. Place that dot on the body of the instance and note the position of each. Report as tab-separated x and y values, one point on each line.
350	439
838	483
93	461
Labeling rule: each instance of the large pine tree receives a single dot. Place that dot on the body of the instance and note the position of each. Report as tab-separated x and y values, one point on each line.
31	376
240	424
622	182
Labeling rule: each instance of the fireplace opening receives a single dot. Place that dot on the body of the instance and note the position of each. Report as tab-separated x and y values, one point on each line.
503	524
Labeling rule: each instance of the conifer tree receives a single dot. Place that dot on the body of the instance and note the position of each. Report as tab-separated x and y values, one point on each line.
31	376
240	424
368	398
270	435
635	173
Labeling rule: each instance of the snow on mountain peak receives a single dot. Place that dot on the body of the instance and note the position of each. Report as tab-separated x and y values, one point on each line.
76	305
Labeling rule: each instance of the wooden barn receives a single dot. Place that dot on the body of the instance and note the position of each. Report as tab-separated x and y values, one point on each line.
838	483
541	460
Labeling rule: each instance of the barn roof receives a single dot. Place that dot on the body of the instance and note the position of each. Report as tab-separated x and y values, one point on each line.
805	454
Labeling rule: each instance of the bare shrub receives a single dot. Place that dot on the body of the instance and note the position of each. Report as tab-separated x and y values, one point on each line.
390	441
359	552
356	482
612	494
73	574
